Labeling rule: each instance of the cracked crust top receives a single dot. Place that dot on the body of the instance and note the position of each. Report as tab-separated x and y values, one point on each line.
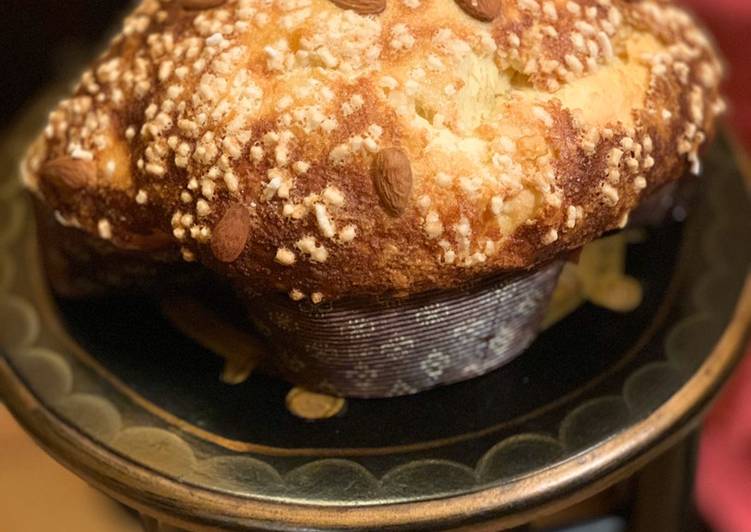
328	148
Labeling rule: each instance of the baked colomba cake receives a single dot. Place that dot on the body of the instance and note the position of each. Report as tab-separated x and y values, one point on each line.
330	148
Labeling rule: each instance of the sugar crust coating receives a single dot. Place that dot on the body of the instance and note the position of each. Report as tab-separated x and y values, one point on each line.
296	146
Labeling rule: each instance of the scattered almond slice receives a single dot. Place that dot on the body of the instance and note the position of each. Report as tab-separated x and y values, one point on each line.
312	405
599	277
242	352
619	293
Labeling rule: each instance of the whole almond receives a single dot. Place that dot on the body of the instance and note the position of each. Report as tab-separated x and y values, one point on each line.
484	10
362	7
231	233
68	173
392	179
195	5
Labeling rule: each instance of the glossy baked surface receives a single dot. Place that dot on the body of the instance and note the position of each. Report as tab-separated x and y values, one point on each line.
295	146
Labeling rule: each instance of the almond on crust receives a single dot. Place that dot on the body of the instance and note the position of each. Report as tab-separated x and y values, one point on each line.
529	127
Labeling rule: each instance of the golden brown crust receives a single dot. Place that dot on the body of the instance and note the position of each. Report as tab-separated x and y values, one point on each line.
527	135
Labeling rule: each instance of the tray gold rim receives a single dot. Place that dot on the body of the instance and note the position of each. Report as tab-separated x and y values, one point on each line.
515	501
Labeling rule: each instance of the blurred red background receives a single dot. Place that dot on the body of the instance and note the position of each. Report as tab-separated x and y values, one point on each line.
723	483
730	21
